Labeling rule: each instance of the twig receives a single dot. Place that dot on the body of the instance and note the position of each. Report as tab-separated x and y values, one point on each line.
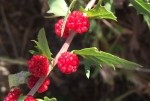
110	26
9	32
115	31
13	61
25	38
90	4
143	70
120	98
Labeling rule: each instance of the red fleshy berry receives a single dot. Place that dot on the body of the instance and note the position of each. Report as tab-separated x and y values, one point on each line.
68	62
30	98
78	22
32	81
58	27
13	94
38	65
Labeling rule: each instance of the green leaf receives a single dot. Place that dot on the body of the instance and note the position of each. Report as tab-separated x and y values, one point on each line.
42	44
47	99
109	5
39	100
88	63
94	57
99	12
21	98
87	67
57	7
32	52
142	6
18	78
147	20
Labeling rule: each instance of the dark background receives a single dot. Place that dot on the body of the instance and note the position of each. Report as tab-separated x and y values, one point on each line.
20	21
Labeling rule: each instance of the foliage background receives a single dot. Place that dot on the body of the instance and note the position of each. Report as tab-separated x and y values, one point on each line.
128	38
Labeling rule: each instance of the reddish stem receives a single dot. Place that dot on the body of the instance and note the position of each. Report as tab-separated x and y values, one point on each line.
63	49
90	4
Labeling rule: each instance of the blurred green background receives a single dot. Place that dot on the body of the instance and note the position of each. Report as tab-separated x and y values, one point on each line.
129	38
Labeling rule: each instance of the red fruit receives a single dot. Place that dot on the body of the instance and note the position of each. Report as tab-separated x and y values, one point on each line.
58	27
32	81
13	94
78	22
68	62
38	65
30	98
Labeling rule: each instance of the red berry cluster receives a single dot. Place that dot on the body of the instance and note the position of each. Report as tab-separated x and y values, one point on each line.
13	94
68	62
30	98
32	81
58	27
76	21
38	66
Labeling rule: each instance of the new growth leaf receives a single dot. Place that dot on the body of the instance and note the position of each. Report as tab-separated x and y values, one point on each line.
99	12
42	45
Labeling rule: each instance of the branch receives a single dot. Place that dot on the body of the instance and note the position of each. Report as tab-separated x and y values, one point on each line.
63	49
90	4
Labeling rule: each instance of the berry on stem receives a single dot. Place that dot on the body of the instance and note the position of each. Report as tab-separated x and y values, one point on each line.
13	94
58	27
68	62
30	98
78	22
32	81
38	65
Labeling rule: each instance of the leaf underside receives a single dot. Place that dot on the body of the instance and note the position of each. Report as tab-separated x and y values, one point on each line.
57	7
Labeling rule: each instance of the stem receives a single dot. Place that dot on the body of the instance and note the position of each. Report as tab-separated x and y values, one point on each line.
38	84
90	4
66	17
63	49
